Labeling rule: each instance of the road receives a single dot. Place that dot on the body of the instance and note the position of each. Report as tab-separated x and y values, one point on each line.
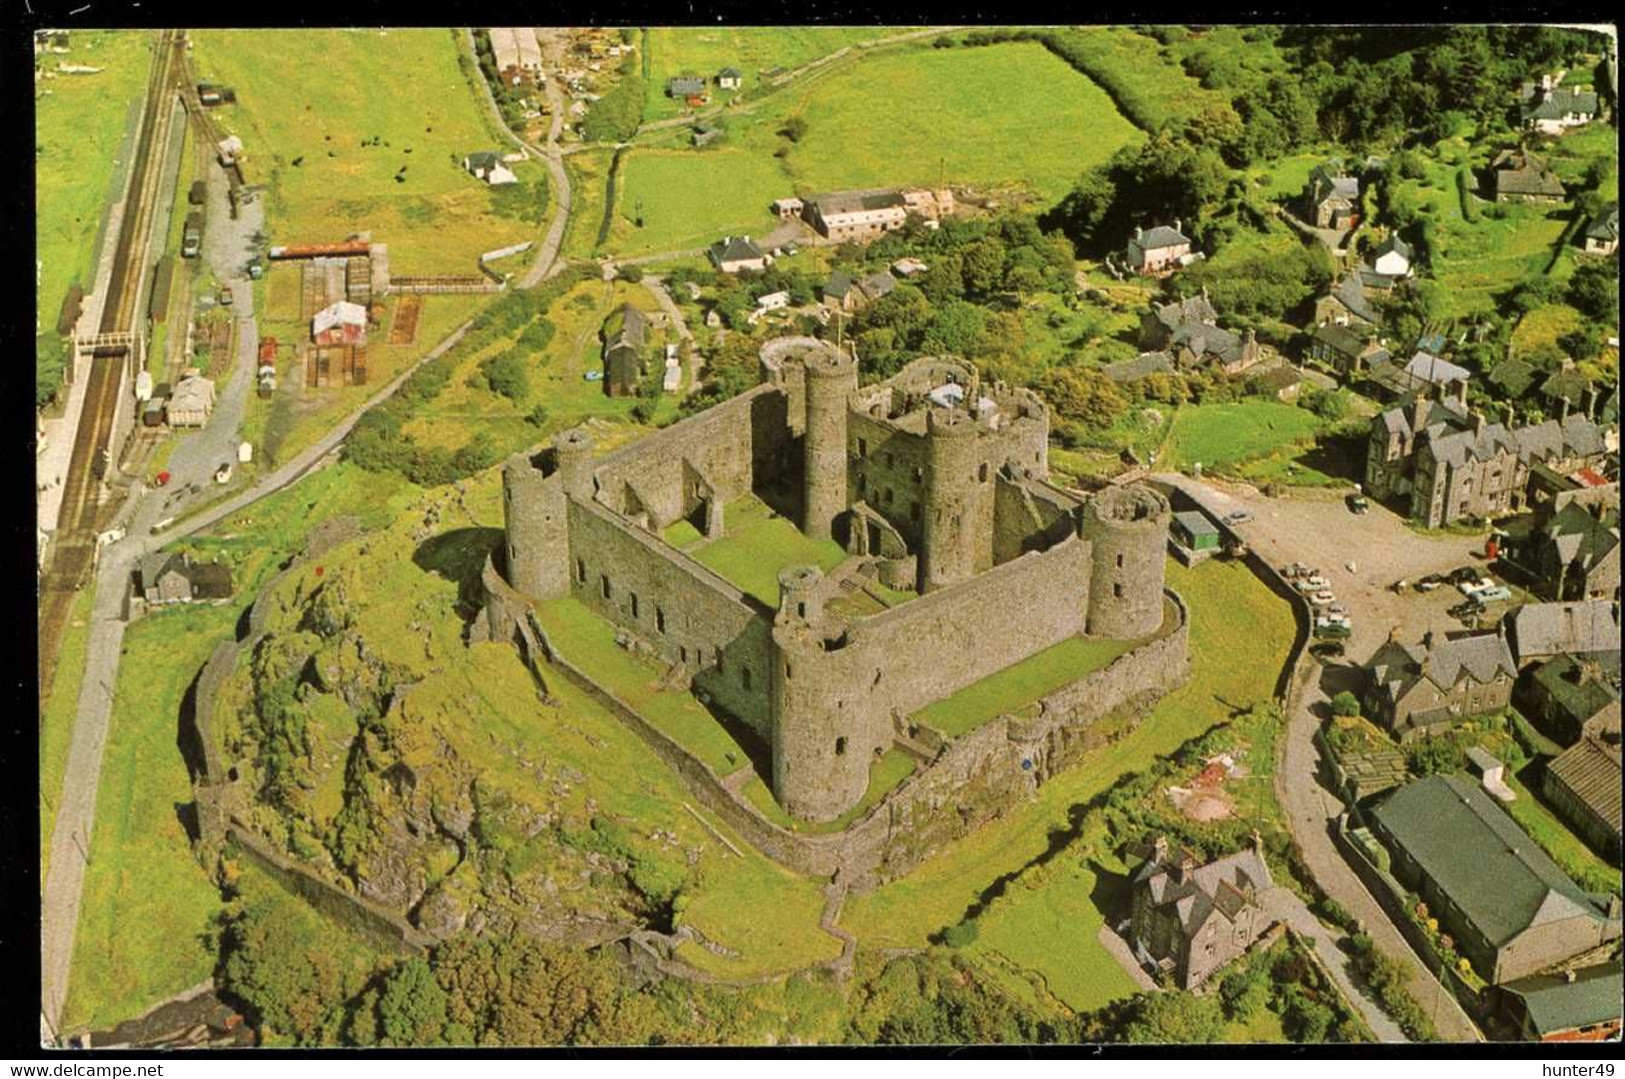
1382	550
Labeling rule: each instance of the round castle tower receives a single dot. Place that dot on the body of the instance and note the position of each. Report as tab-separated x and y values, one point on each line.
952	486
572	451
831	379
536	513
1128	529
820	758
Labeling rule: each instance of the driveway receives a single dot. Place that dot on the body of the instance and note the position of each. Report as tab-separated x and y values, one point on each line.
1324	534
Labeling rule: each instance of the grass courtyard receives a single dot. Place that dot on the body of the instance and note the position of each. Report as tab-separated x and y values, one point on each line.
756	544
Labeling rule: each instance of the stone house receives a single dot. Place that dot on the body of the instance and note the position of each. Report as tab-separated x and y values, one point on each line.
1346	304
1522	176
1157	250
1412	687
164	577
685	86
1583	783
1343	349
857	216
1572	695
192	401
1189	331
1392	257
1549	109
731	254
1331	200
1190	920
1510	910
1571	552
843	292
626	342
1602	234
1575	1006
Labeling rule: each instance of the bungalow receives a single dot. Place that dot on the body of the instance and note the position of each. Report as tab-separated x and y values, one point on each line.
1157	250
1525	177
1410	688
1331	200
1550	110
341	323
1602	234
1510	910
730	78
731	254
487	165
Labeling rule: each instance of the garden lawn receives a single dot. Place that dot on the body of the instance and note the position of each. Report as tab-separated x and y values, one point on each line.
756	545
80	125
690	199
1240	634
1020	684
1222	436
1537	332
1011	113
147	901
406	88
1051	931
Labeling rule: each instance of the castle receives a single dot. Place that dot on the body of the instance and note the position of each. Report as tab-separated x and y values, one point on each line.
935	487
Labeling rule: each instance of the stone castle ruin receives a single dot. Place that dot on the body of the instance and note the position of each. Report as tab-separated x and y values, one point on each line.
935	486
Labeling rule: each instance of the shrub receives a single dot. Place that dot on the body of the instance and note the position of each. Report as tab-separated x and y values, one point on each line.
1345	704
960	935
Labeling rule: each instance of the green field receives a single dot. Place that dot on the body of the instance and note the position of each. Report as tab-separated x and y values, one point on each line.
756	544
1146	77
79	124
1537	332
696	50
690	199
1221	436
56	721
403	87
1002	114
1239	637
147	901
1020	684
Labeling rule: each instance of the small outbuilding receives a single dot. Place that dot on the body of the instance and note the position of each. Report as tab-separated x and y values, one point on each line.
1192	530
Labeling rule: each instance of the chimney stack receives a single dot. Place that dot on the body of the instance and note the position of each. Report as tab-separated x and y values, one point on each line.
1479	423
1563	416
1176	226
1461	391
1591	400
1138	232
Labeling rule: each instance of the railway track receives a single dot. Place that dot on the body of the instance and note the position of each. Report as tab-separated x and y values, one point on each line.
116	348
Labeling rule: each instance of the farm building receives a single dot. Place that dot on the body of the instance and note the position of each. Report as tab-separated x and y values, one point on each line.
341	323
730	78
685	86
1157	250
788	208
626	337
487	165
1512	912
192	402
732	254
856	215
1521	176
517	53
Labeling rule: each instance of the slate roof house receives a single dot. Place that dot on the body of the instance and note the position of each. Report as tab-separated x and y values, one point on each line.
1572	552
1157	250
1512	912
732	254
1523	176
1189	331
1551	110
1345	350
730	78
685	86
1584	1007
1392	257
1602	234
1413	687
1572	696
843	292
487	165
1190	920
164	577
1542	630
191	403
1346	304
1331	200
626	339
856	215
1584	784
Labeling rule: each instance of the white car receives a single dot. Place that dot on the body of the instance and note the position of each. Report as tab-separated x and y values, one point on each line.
1327	618
1313	583
1322	598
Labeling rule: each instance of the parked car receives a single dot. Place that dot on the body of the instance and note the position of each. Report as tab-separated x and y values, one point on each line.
1237	517
1333	633
594	376
1467	608
1465	573
225	296
1327	649
1358	503
1492	593
1328	619
1312	583
1477	584
1429	582
1337	610
1322	598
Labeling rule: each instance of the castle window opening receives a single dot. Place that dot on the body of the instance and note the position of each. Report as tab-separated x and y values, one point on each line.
863	447
863	483
914	511
889	460
1119	561
919	474
581	570
888	496
1117	590
682	652
801	610
786	670
660	619
981	473
840	747
603	584
634	605
744	677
